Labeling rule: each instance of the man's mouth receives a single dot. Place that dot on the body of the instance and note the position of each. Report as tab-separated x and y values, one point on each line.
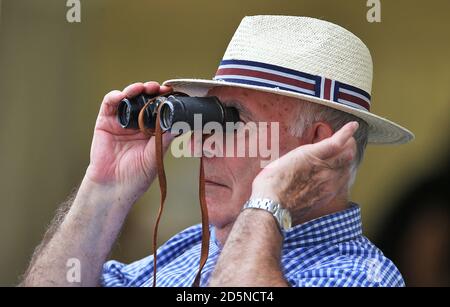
213	182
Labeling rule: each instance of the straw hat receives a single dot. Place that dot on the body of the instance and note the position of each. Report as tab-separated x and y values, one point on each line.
301	57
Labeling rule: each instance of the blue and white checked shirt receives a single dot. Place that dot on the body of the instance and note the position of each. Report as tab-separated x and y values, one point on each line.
328	251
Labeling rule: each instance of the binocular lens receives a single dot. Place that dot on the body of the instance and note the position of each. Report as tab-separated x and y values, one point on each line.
166	115
184	109
175	108
128	112
124	113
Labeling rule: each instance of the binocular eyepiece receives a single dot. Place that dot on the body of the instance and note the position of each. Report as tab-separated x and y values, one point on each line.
174	108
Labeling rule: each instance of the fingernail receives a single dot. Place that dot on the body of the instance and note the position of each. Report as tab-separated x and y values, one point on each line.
165	88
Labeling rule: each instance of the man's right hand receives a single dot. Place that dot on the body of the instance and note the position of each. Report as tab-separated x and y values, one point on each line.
121	169
124	157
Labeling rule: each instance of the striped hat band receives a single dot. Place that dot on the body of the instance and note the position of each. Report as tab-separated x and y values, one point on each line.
272	76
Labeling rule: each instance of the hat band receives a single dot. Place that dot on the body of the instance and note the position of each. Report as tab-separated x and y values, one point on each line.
272	76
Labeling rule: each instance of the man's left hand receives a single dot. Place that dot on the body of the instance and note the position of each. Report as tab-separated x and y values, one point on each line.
310	175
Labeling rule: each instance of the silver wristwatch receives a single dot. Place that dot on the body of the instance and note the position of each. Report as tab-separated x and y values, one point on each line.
281	215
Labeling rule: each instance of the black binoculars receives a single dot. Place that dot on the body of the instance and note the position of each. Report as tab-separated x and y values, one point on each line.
173	108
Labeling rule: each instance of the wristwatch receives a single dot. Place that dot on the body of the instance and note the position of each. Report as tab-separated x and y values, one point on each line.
281	215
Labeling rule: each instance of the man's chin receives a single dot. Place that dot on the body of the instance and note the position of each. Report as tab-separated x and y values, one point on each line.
215	203
219	210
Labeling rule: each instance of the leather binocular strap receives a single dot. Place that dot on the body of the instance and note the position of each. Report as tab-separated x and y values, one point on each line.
159	155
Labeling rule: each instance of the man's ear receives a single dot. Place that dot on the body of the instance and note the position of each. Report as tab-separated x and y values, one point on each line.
320	131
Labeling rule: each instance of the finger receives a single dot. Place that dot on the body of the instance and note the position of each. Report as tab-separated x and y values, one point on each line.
164	89
151	88
343	160
150	152
342	184
346	155
351	150
110	102
167	139
345	133
134	89
329	147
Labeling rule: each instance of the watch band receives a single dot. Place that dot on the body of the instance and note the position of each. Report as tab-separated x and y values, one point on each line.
281	215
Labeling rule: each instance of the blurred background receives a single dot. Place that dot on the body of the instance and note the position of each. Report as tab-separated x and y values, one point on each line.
54	74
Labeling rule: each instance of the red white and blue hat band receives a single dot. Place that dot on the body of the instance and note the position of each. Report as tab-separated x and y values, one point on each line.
272	76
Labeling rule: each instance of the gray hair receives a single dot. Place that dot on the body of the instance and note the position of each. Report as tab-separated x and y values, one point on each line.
308	113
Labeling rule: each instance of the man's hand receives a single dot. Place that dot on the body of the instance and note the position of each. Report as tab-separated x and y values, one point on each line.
120	156
310	175
307	176
121	169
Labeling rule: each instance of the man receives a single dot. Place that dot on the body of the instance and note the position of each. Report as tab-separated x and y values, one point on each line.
314	79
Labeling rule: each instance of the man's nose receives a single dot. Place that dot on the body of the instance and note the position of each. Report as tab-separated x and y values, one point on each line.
195	145
213	144
197	140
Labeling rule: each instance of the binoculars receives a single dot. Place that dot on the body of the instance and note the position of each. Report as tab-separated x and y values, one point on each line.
173	108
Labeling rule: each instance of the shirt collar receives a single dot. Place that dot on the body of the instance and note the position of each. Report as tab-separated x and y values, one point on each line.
333	228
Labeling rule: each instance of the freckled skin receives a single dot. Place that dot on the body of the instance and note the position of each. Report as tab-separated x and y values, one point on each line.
310	181
113	183
224	204
238	173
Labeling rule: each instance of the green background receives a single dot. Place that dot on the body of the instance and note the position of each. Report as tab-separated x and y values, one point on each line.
53	76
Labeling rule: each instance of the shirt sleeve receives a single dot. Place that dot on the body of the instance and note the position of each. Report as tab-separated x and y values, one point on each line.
117	274
361	273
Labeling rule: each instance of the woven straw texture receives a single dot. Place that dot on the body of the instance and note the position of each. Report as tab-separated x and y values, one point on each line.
308	45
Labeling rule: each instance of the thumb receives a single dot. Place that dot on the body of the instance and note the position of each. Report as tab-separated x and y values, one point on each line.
150	148
167	138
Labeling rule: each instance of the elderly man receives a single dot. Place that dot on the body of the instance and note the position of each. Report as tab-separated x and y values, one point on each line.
314	79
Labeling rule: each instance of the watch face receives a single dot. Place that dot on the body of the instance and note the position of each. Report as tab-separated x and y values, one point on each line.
286	222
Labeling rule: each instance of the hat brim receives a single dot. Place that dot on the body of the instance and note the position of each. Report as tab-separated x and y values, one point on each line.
381	130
